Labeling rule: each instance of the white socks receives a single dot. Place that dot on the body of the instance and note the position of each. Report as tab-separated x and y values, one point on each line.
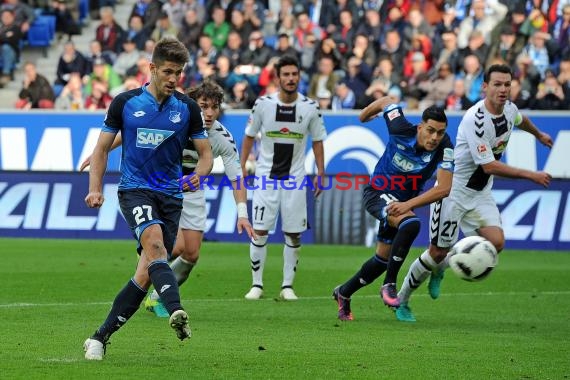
419	271
258	254
290	260
181	269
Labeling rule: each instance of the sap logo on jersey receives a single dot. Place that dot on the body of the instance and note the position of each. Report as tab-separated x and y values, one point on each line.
151	138
403	163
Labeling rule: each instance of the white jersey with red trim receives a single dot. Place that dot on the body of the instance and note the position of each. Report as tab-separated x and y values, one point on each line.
482	137
284	129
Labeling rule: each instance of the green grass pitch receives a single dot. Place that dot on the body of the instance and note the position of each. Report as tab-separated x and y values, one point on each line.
513	325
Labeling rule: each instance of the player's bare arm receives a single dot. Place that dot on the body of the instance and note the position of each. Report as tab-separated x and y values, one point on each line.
240	196
319	180
528	126
375	108
116	143
203	167
503	170
439	191
246	146
99	159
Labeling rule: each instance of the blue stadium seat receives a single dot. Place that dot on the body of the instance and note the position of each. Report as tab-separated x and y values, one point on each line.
271	41
83	10
50	20
42	32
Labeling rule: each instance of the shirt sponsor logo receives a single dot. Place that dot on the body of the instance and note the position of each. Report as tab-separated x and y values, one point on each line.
403	163
501	146
151	138
285	133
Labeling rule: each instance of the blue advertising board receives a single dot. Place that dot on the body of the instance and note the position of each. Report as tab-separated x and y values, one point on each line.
60	142
51	205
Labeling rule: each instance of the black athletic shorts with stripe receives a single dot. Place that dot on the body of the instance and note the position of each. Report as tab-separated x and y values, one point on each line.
142	208
375	202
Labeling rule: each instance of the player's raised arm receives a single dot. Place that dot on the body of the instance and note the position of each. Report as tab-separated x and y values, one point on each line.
374	108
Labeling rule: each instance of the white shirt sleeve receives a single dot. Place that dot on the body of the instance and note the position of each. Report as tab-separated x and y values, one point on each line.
230	158
317	126
255	118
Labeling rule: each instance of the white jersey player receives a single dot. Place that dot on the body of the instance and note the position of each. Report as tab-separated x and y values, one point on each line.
284	120
192	223
482	137
223	146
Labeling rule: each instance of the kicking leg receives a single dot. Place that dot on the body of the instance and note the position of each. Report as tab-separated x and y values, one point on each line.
368	273
408	230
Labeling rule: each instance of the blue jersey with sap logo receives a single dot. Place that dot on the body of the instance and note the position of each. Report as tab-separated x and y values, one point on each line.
404	167
154	136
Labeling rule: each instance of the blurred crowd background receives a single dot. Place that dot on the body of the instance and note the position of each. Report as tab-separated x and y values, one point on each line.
351	51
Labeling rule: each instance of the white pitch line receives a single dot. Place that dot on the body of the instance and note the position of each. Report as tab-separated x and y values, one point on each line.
217	300
58	360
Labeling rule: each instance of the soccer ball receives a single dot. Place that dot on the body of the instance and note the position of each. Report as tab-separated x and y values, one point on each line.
473	258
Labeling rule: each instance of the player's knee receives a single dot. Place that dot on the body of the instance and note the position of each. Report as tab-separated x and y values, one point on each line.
156	248
260	241
177	251
498	242
293	240
495	235
411	223
191	255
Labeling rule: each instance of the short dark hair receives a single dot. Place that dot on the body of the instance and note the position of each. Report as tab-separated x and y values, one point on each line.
207	89
497	68
286	60
434	113
170	49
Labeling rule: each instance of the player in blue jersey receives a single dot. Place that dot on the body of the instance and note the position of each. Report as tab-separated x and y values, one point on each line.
155	122
412	155
192	225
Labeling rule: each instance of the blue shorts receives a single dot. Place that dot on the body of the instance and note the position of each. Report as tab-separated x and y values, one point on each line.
375	202
142	208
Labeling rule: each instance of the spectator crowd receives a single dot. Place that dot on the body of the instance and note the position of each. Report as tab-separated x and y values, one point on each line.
351	51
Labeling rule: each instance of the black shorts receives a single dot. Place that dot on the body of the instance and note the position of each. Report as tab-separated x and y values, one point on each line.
141	208
375	202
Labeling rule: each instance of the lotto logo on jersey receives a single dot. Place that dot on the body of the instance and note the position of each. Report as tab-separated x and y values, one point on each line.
151	138
403	163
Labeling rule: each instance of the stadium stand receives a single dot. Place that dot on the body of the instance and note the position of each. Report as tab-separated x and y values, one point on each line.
403	47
